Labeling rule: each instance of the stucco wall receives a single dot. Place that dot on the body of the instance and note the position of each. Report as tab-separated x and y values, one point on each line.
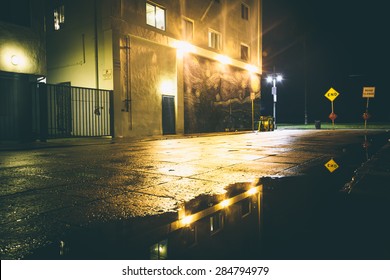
72	50
152	69
26	46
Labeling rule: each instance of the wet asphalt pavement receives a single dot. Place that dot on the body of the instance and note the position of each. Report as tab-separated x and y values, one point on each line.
48	189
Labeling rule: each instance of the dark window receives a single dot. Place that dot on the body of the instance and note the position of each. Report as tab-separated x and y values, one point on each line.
189	236
245	207
188	30
244	52
216	222
244	11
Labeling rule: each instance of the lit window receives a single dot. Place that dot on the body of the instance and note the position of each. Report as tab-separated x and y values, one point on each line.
244	11
155	16
216	222
215	40
188	30
244	52
59	17
159	251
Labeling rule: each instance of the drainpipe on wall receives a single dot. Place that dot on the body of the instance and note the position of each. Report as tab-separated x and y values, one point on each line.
128	81
96	46
207	10
97	106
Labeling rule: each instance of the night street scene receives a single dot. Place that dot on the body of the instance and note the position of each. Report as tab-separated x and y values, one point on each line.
194	130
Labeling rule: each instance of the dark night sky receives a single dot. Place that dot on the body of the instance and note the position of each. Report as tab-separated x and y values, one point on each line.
346	48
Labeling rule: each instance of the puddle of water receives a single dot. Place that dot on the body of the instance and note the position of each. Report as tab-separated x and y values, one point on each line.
203	228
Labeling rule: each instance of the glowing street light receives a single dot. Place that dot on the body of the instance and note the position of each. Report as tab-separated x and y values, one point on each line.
273	79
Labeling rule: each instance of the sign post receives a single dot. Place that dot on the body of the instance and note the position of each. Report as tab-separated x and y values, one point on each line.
332	94
253	111
368	92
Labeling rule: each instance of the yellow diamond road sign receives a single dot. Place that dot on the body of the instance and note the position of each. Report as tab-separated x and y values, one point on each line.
331	165
331	94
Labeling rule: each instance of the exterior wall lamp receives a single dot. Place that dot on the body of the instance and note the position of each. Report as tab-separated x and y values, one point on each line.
15	60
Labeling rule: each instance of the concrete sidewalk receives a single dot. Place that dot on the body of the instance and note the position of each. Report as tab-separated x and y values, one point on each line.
49	188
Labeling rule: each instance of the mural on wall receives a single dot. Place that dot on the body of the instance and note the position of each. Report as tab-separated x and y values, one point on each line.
217	97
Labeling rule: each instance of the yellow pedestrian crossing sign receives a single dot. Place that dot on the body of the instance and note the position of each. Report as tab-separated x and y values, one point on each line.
331	165
331	94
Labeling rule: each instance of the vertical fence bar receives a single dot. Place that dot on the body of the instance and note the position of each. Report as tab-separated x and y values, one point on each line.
111	110
89	103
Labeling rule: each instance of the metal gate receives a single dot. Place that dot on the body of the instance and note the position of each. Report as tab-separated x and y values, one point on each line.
63	111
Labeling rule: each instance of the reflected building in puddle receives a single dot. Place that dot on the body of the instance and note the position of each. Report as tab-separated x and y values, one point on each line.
225	226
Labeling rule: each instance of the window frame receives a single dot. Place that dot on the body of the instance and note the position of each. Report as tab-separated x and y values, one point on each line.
155	250
241	52
246	207
190	236
210	40
245	11
58	17
155	17
220	218
186	20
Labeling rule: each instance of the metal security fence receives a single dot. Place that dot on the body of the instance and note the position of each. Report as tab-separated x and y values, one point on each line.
15	107
64	111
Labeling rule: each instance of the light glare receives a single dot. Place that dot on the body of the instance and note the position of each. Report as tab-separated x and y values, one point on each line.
167	87
186	220
225	203
252	191
223	59
251	68
15	60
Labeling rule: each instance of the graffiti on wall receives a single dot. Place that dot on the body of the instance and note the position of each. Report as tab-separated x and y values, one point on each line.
217	97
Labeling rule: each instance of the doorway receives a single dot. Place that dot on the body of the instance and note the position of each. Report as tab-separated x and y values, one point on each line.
168	114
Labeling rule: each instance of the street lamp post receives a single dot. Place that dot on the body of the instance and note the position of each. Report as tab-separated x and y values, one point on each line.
273	79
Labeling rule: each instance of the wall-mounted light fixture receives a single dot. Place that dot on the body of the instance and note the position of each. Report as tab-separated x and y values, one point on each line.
183	48
223	59
15	60
251	68
18	58
167	87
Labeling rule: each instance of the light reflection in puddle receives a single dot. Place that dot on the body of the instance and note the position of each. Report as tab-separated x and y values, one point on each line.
199	229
